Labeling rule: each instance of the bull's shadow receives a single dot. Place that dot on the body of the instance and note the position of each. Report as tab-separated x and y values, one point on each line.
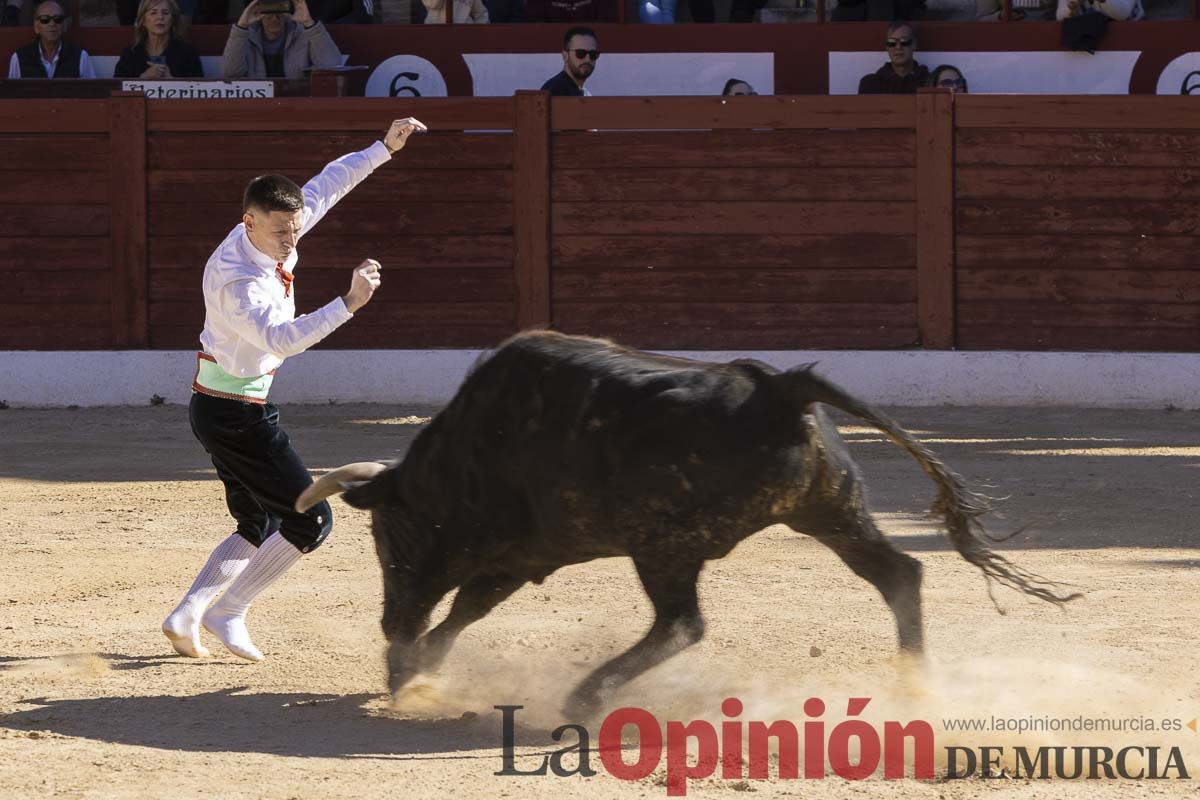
291	724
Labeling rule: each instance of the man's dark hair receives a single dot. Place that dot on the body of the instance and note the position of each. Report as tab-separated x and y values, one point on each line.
896	25
729	84
273	193
578	30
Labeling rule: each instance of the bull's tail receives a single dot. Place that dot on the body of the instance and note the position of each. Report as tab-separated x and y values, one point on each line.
352	478
959	507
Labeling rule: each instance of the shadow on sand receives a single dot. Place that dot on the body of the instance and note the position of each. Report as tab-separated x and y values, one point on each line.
305	725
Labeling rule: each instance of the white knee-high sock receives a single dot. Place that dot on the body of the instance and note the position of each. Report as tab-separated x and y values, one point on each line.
227	618
225	563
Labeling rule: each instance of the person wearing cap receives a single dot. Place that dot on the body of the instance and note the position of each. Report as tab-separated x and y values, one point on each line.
250	327
274	39
48	56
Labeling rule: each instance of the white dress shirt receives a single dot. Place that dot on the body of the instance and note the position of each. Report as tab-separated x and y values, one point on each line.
85	64
250	327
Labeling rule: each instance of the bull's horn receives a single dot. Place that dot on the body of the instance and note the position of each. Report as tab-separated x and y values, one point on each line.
335	482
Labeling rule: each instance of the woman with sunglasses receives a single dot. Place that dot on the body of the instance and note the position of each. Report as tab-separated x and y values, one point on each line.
48	56
945	76
159	51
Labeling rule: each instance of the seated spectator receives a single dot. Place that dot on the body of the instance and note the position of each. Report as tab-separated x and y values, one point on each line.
465	11
158	50
945	76
48	56
876	10
581	51
1122	10
11	15
902	74
268	42
576	11
735	87
505	10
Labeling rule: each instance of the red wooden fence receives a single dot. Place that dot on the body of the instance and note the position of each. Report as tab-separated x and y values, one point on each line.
758	223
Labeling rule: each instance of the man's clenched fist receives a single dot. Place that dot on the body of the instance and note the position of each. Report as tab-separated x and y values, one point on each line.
362	285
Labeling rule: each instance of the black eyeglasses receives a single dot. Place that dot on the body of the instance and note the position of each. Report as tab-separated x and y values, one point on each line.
952	83
899	42
46	19
582	54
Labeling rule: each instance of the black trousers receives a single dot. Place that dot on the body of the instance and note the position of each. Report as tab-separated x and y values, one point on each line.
262	474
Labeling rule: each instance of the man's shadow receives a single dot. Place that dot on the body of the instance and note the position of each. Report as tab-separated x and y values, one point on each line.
307	725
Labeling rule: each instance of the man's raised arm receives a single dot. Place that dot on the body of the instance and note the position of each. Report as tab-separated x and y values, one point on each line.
343	174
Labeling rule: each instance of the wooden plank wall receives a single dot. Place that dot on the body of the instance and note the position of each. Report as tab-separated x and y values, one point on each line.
438	218
726	238
1078	224
54	226
978	222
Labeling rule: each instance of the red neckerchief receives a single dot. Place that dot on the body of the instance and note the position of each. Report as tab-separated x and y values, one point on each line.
285	277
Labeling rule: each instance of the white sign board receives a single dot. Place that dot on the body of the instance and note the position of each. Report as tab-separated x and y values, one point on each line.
625	74
200	90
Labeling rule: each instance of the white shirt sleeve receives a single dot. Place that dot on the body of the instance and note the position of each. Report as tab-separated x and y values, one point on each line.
14	67
85	66
337	179
249	309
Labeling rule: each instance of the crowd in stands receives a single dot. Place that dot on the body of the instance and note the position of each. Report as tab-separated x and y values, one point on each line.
285	39
330	12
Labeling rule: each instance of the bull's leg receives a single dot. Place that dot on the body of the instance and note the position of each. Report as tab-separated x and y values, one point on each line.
678	625
474	600
852	534
406	612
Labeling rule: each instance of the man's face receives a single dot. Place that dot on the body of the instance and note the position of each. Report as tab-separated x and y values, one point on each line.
273	24
901	44
273	232
48	22
581	68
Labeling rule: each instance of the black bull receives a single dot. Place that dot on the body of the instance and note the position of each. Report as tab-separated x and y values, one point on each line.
557	450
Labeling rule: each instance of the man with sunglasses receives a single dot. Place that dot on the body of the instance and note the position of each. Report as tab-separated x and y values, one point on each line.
902	74
580	53
48	56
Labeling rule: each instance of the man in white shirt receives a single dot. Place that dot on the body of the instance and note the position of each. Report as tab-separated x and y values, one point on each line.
48	56
250	327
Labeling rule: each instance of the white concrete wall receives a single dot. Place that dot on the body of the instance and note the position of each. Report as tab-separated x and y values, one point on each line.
902	378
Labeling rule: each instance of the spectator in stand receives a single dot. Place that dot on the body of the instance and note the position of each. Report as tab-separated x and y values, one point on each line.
11	15
945	76
505	10
736	87
269	42
158	50
1121	10
576	11
465	11
581	51
902	74
48	56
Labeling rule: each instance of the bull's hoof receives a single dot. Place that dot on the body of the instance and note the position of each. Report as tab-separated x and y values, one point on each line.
583	703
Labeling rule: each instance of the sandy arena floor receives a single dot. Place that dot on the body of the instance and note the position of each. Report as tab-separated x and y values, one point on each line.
106	515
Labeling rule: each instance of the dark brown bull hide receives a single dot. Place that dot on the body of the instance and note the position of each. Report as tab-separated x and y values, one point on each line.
557	450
